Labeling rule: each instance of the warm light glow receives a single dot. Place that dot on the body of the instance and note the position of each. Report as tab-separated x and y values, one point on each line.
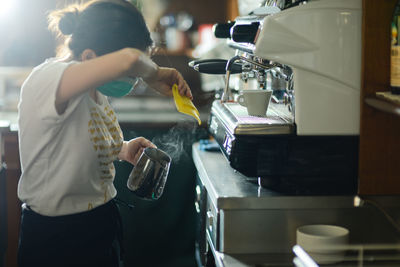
6	8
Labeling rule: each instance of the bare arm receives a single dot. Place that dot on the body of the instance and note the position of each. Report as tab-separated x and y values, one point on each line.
83	76
88	74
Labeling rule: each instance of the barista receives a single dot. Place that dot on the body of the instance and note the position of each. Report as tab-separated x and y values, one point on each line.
69	136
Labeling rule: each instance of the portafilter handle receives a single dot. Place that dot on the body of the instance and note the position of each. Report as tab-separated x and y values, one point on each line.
214	66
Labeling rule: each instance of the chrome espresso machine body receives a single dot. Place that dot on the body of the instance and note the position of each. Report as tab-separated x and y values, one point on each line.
310	56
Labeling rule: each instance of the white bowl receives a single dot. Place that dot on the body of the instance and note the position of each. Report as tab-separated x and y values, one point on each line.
324	243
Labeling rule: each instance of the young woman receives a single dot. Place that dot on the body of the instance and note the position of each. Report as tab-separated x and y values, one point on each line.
69	136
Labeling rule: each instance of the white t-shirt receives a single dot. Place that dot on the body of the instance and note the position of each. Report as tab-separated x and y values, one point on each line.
66	160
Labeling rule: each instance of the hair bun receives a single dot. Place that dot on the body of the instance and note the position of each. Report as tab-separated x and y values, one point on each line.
68	22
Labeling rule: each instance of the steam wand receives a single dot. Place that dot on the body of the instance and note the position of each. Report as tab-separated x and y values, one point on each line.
227	94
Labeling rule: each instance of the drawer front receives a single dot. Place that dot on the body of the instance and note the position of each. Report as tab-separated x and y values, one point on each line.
212	223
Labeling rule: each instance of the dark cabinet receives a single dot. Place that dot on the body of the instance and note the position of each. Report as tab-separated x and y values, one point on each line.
10	204
162	232
380	131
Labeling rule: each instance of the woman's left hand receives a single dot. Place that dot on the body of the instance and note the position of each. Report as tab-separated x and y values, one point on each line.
166	78
131	150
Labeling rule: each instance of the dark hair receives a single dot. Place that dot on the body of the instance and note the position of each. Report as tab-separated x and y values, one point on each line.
101	25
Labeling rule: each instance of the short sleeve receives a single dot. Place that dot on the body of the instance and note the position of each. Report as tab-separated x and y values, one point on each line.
41	87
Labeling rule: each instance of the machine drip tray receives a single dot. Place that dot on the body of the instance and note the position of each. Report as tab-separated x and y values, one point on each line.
300	186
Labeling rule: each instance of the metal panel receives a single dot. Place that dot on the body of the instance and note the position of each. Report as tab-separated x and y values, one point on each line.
274	231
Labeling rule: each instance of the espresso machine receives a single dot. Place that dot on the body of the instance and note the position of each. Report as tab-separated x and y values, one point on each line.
309	54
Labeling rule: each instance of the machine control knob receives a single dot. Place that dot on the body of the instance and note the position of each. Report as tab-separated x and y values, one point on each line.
223	30
245	33
198	193
210	220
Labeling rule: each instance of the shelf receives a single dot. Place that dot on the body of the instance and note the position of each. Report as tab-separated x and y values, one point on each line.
386	102
166	52
389	97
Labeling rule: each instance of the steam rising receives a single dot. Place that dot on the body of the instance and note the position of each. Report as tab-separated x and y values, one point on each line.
177	141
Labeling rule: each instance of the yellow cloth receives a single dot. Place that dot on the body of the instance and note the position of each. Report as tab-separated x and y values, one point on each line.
184	104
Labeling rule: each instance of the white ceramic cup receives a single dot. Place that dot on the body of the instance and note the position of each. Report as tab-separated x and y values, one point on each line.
325	244
255	100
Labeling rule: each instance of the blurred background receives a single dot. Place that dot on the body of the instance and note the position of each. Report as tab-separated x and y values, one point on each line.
160	233
26	40
181	30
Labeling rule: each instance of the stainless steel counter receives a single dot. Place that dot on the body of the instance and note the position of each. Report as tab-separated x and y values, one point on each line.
247	225
9	119
151	110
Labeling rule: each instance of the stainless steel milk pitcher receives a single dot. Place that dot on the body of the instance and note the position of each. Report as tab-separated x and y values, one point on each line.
147	179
